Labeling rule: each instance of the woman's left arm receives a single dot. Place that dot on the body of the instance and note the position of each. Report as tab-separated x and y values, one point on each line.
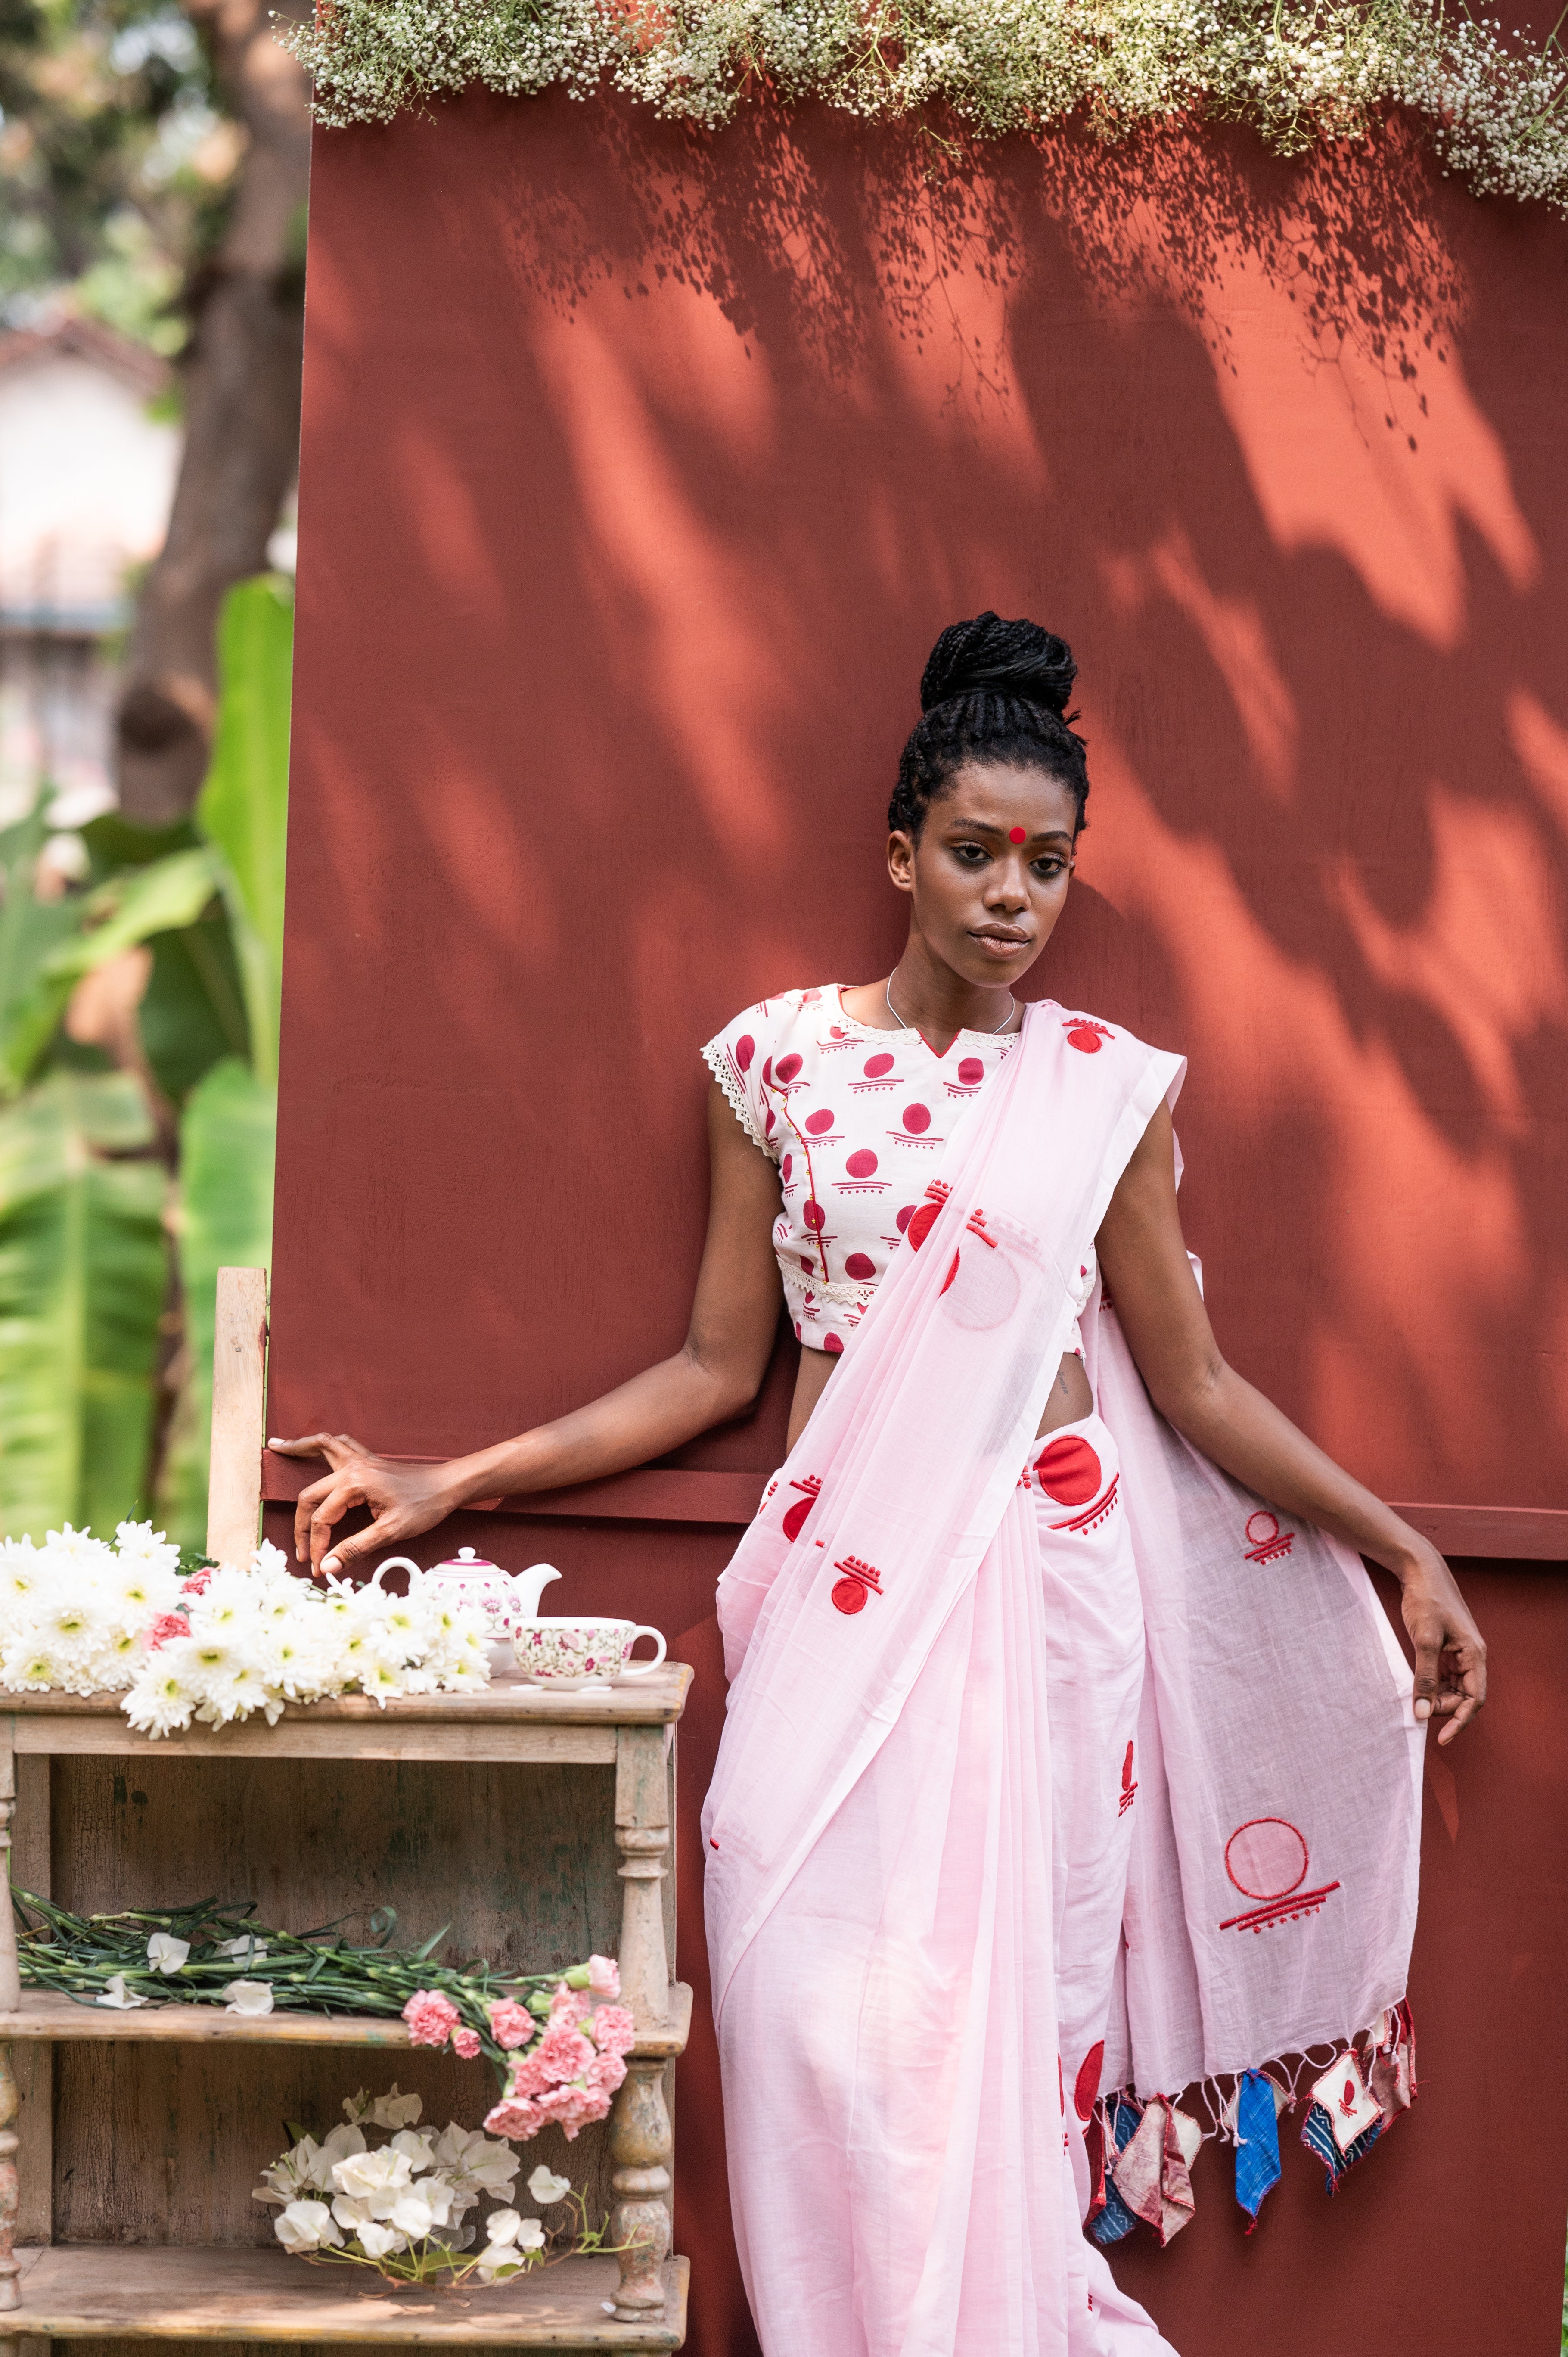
1150	1279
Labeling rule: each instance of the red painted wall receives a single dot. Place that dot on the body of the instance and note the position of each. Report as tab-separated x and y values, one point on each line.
640	469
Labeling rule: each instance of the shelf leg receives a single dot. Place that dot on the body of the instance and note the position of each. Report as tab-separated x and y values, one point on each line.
10	2002
642	1837
640	2154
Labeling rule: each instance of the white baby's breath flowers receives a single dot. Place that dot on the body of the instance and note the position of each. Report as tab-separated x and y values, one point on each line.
1305	70
80	1615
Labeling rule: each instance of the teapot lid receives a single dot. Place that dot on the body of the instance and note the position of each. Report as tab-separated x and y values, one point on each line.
464	1559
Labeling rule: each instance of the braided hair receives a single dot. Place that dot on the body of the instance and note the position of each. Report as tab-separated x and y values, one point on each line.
992	691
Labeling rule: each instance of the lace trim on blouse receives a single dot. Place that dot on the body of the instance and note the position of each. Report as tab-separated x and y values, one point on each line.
734	1096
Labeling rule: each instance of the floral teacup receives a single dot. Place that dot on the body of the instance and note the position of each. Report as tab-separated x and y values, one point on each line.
571	1649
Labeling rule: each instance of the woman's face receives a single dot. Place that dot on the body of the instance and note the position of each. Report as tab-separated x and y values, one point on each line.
989	875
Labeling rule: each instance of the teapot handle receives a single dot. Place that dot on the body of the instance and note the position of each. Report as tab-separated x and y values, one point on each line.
393	1563
643	1669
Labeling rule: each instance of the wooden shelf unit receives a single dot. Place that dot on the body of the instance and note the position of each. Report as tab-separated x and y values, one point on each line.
205	2292
100	2292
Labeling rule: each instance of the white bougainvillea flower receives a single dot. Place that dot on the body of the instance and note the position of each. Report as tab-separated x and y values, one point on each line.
475	2163
306	2226
248	1996
546	2187
377	2241
375	2177
393	2110
118	1996
165	1953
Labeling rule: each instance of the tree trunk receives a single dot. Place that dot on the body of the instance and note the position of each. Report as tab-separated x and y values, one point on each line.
241	400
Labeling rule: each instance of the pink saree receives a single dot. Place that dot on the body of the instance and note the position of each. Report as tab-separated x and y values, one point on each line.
879	1828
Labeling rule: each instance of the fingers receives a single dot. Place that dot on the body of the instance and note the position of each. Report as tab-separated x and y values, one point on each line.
349	1552
336	1447
339	1495
1428	1687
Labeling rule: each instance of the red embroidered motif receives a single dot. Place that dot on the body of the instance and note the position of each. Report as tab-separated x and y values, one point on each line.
1268	1539
1267	1859
918	1227
859	1579
1091	1517
975	1225
795	1517
1085	1035
1086	2086
1069	1471
1128	1788
952	1273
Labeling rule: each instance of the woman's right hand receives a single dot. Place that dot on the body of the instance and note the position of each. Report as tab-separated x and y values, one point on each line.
403	1499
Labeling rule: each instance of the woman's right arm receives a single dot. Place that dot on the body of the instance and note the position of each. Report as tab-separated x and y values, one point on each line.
715	1375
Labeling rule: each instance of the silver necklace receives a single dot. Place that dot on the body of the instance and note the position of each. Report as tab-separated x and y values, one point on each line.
887	995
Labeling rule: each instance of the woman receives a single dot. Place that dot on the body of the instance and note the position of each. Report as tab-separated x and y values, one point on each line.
943	1737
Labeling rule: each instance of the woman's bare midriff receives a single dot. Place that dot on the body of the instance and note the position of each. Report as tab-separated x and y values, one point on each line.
1071	1396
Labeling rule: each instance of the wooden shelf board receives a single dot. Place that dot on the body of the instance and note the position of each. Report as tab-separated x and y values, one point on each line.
116	2291
637	1702
45	2016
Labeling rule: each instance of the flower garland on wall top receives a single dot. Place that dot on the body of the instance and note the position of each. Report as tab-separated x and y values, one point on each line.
80	1615
1298	72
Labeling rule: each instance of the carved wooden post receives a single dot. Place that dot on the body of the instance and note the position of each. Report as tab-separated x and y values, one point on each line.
10	2002
642	1837
640	2172
238	1408
639	2123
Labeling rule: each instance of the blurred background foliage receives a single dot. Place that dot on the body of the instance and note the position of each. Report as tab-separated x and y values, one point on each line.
138	1097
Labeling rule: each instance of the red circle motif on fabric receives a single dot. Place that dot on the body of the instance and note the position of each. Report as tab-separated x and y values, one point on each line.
1261	1527
786	1069
819	1122
876	1067
904	1218
861	1267
953	1271
813	1214
1266	1858
1083	1038
745	1048
861	1165
972	1071
1069	1471
786	1166
849	1595
1086	2086
833	1345
922	1223
917	1119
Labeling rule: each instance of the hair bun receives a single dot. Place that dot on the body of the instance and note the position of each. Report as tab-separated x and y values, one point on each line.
990	656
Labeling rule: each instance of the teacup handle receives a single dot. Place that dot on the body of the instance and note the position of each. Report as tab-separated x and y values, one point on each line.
641	1669
393	1563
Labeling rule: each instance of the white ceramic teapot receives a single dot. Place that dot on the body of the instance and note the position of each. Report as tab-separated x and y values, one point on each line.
506	1599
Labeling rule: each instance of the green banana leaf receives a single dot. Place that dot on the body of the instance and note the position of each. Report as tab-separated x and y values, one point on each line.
242	810
29	931
225	1220
84	1273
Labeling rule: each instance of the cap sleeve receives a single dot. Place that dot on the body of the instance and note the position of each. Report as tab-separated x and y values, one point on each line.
735	1059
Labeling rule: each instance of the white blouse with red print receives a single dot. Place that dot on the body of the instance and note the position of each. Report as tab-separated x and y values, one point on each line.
856	1118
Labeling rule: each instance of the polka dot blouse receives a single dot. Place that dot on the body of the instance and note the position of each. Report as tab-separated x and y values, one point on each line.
855	1119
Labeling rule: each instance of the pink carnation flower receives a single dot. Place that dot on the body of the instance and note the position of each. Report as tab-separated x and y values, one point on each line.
528	2076
573	2107
613	2029
431	2019
567	2005
466	2042
510	2024
510	2118
167	1625
606	2072
563	2053
197	1584
603	1976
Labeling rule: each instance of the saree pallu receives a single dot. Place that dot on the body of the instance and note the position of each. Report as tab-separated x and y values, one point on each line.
881	1883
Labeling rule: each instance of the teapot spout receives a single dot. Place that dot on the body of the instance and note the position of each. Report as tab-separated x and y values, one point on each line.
530	1586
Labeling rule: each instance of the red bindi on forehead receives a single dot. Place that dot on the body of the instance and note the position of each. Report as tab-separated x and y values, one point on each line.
1016	834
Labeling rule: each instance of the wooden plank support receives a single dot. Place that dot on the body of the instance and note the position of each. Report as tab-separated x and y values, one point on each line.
10	1998
239	1415
641	2135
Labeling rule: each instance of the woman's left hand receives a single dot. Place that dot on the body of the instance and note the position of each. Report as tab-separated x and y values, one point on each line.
1450	1651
